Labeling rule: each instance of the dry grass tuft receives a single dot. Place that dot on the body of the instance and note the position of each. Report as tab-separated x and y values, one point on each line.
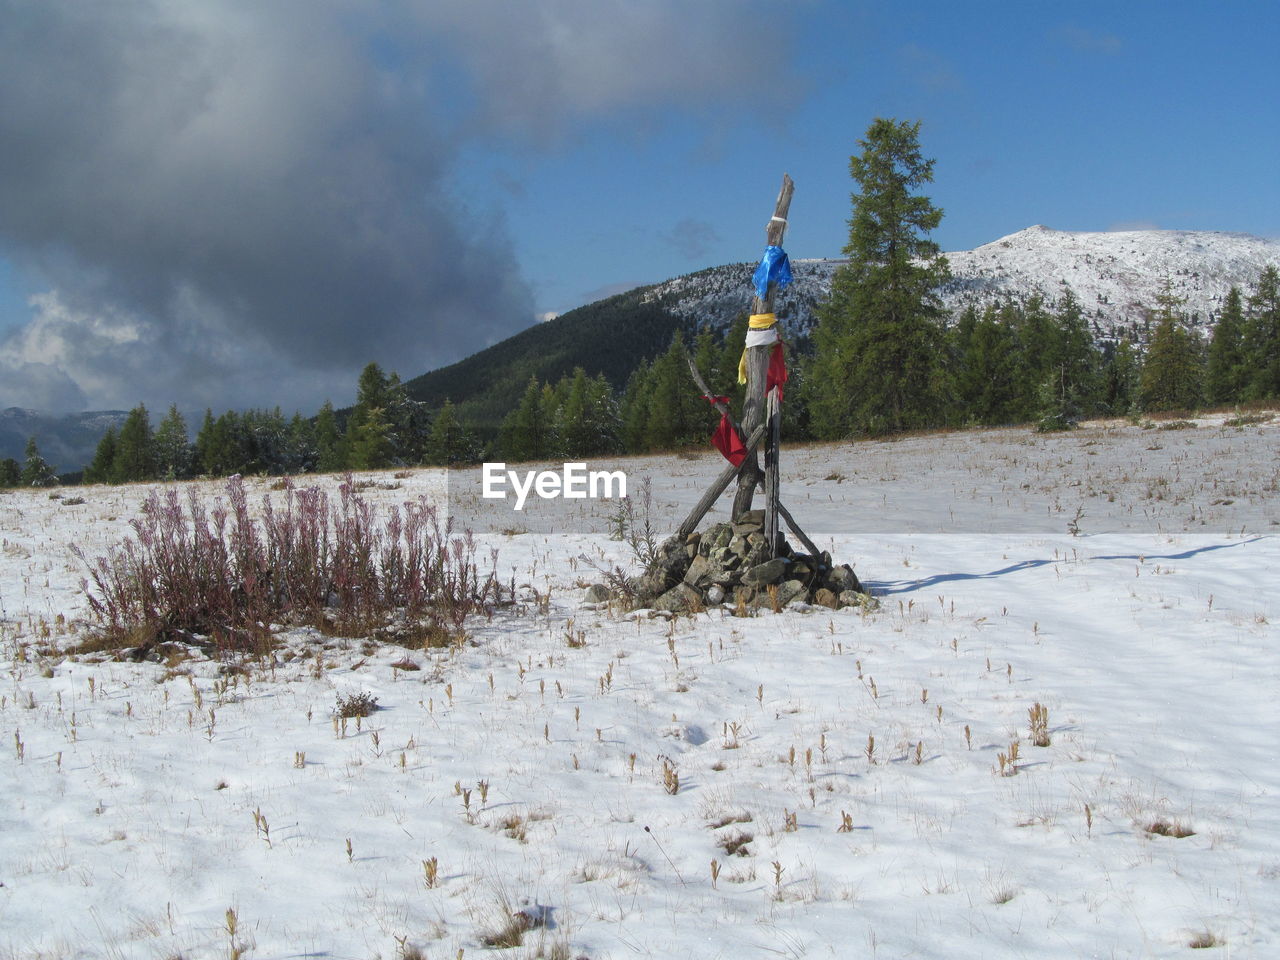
1204	940
355	705
1165	828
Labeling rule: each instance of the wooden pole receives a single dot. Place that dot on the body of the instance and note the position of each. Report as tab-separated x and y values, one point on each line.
758	362
772	477
718	487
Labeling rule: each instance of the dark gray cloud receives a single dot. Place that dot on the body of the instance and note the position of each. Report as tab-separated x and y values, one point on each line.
236	203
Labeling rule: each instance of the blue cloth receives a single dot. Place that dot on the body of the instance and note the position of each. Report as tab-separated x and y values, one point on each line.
774	268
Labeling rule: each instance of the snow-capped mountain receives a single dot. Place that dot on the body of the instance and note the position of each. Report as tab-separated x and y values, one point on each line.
1116	276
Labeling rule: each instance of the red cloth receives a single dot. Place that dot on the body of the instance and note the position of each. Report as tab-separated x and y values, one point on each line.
777	375
727	441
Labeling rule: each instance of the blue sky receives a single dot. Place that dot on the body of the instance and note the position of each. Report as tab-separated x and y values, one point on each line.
234	204
1079	117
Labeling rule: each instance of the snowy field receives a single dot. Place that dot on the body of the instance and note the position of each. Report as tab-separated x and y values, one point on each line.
861	783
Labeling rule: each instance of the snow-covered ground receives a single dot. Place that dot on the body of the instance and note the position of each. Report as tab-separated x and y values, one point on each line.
841	769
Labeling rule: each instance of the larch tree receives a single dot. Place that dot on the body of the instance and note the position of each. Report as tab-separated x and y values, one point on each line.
1262	337
879	340
1226	373
1172	372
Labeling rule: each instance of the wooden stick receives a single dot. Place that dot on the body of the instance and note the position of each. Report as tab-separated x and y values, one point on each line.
758	358
772	476
706	392
718	487
795	528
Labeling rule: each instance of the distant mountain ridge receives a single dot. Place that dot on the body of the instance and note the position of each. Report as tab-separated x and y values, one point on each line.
1116	276
66	441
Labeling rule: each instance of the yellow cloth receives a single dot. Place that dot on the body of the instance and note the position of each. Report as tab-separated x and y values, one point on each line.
758	321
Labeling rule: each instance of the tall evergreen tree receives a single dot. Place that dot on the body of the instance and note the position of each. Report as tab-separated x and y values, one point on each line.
988	377
10	472
450	443
135	452
35	471
1070	386
879	337
300	453
104	457
1121	374
204	437
635	408
1262	337
676	415
526	432
603	417
1172	372
369	444
1226	374
1034	343
172	447
328	441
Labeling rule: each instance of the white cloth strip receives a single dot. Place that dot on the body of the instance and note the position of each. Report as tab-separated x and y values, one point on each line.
762	338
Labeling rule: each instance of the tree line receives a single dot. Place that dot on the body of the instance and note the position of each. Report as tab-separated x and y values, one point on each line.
885	357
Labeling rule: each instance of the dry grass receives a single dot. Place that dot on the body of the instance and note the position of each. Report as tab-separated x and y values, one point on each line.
1167	828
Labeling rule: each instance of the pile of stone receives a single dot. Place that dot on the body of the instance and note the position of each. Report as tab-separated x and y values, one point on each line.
730	563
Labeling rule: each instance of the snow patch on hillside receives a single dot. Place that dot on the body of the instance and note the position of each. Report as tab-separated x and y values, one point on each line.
1116	277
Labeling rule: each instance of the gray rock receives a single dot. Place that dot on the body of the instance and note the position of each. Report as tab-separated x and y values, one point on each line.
715	593
789	591
768	572
597	593
852	598
679	598
717	537
699	571
842	578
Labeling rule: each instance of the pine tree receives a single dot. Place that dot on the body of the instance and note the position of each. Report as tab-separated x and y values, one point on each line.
172	448
987	378
1034	335
10	472
573	423
879	338
203	457
35	471
370	446
135	453
1172	372
525	433
1226	374
1262	337
371	393
329	454
676	416
450	443
99	470
603	417
635	408
1121	374
1070	387
300	453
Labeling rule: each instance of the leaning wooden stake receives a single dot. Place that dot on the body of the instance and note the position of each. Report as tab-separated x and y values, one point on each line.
758	361
718	487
